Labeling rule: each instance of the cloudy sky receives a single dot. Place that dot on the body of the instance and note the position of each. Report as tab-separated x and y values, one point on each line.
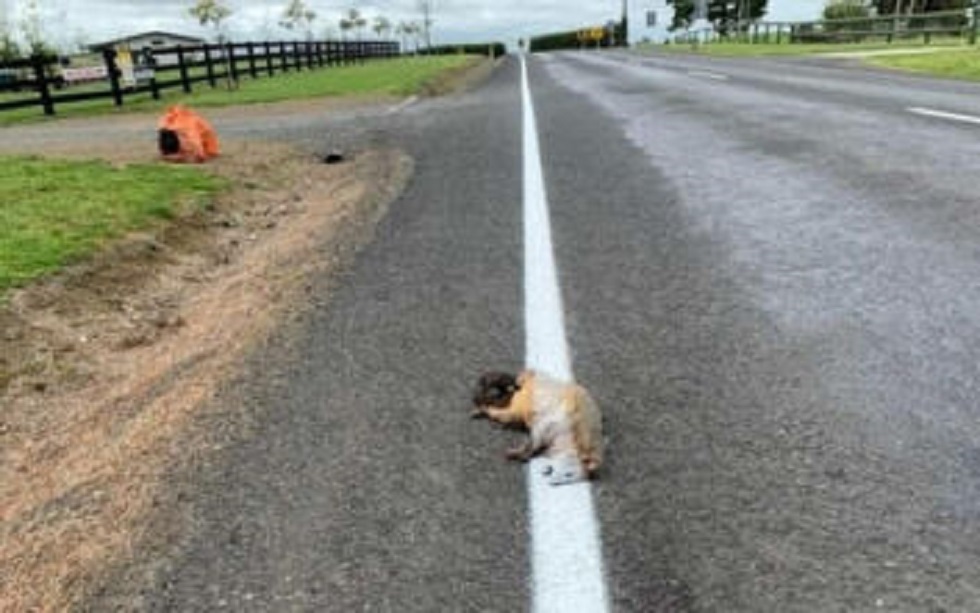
72	21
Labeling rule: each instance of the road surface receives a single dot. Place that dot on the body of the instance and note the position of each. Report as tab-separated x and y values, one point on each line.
770	279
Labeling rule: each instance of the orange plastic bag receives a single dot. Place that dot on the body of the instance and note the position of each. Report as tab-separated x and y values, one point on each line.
185	136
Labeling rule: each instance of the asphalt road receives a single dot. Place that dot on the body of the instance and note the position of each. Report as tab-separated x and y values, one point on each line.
771	281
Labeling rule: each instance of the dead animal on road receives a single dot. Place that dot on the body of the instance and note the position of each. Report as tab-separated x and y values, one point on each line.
562	420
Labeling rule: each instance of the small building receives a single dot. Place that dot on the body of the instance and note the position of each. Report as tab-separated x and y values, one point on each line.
154	39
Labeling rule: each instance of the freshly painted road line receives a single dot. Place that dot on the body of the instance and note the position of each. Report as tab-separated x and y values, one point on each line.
566	553
944	115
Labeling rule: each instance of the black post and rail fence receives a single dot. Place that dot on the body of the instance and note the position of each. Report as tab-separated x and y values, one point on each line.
42	82
927	27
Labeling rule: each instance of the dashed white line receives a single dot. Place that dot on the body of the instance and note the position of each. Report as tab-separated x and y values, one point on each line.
944	115
703	74
404	104
566	551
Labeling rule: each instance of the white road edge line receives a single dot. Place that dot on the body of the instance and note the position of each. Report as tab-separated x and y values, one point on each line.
566	551
944	115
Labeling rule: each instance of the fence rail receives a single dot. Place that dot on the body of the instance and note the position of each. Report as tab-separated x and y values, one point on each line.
40	81
957	24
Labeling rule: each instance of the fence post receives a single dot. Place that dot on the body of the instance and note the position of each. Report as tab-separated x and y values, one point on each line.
282	56
184	77
297	57
268	58
308	46
251	61
976	18
210	65
230	62
152	63
113	71
39	64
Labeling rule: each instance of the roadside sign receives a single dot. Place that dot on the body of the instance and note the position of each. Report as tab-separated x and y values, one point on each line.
591	34
127	72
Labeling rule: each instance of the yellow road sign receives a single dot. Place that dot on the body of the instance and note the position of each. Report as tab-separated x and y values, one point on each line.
591	34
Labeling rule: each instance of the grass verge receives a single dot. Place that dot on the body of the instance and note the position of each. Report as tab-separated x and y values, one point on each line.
54	212
119	364
958	64
728	49
943	58
396	77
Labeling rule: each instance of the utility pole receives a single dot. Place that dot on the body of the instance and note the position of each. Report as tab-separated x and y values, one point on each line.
624	25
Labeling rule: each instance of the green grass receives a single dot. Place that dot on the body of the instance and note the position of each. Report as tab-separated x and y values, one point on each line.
959	64
396	77
730	49
55	212
948	57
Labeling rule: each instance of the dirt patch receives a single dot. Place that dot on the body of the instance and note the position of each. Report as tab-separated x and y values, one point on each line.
462	78
104	367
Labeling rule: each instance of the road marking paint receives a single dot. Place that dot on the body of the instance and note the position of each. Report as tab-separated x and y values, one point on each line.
566	552
404	104
944	115
707	75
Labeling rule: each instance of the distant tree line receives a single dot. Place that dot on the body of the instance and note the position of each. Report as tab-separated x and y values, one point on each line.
722	14
498	49
857	9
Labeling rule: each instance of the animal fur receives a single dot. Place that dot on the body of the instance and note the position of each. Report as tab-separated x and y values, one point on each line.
562	419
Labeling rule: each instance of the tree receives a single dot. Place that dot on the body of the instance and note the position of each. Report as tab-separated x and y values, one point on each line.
353	21
33	31
890	7
211	13
410	31
358	21
723	14
298	16
9	49
402	31
345	26
381	26
846	9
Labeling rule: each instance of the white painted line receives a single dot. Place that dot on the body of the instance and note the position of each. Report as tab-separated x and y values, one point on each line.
944	115
404	104
707	75
566	552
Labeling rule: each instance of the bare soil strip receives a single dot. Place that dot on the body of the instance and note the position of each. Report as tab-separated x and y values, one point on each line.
106	366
